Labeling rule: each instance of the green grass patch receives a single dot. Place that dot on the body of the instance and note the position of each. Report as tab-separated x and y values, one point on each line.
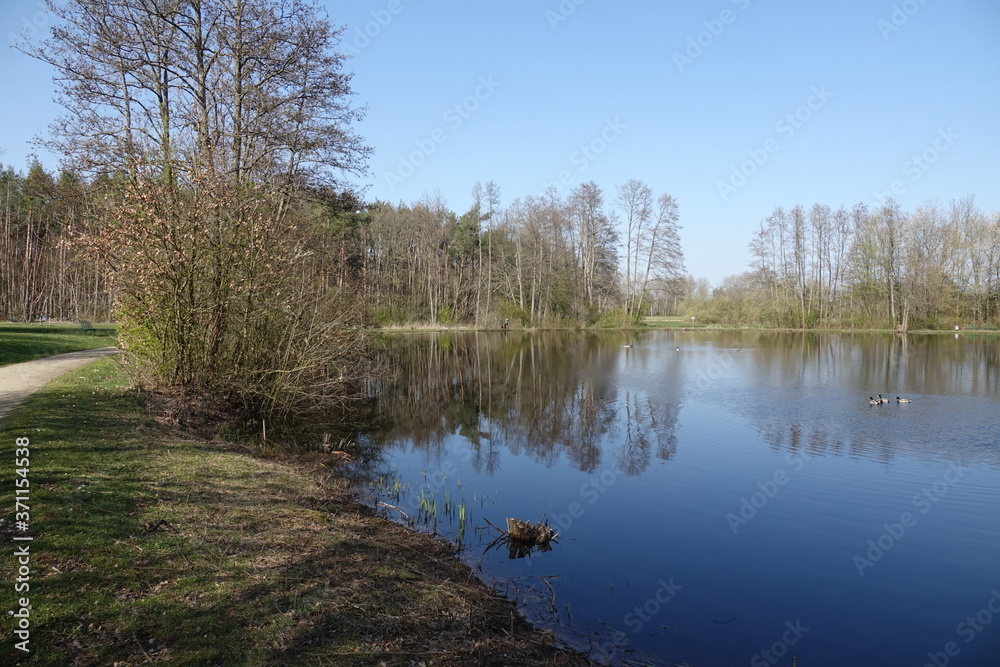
258	562
24	342
670	323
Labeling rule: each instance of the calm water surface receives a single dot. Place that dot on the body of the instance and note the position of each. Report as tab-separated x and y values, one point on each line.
736	502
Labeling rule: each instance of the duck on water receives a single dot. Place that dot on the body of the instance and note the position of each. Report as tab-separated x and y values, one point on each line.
882	399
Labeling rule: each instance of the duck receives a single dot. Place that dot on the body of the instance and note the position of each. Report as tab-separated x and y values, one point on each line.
873	401
677	349
630	345
883	398
903	400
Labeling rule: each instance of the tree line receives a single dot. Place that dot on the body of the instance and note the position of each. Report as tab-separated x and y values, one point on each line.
40	272
551	260
206	145
539	261
864	267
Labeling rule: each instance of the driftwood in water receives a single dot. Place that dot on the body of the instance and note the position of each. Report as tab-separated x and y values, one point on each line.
522	537
523	531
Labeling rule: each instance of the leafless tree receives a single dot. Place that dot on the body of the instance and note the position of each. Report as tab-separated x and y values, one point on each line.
212	122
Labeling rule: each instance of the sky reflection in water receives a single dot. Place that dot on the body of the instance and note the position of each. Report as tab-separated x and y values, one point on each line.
737	502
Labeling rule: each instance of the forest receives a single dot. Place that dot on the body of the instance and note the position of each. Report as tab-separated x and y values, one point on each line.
540	261
881	267
553	262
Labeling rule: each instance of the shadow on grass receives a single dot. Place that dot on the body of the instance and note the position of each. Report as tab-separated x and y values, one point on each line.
26	342
256	564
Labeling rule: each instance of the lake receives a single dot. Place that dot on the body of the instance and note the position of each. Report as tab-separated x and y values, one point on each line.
721	498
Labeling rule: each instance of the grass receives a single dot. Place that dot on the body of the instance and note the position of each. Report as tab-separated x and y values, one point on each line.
670	323
259	562
24	342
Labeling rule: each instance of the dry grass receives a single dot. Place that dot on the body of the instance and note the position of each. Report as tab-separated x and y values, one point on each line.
251	562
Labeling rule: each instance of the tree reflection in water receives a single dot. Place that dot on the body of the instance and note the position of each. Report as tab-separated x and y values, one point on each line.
547	396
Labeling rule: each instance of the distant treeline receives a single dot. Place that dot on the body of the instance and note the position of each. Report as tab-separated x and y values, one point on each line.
932	268
41	272
550	261
540	261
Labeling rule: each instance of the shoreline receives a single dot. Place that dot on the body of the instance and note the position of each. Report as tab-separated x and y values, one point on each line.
144	537
427	328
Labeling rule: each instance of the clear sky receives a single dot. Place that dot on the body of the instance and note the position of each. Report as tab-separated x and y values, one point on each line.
731	106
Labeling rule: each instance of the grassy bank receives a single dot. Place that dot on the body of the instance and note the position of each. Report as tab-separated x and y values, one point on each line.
669	323
151	546
24	342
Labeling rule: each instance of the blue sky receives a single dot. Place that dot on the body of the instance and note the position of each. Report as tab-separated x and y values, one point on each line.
731	106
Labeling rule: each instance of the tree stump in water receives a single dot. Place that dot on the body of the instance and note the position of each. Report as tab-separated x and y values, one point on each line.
535	535
522	537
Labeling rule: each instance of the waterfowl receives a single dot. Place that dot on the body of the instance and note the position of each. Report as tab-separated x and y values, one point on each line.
630	345
883	398
677	349
903	400
872	401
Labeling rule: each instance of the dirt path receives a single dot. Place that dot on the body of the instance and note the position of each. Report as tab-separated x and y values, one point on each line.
18	381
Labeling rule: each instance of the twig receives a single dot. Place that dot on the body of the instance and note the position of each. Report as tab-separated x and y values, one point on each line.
153	526
382	504
552	600
138	643
499	530
501	539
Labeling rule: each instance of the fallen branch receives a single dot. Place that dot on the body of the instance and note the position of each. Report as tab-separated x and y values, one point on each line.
382	504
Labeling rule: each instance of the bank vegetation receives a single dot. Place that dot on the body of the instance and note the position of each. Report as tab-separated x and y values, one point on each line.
862	267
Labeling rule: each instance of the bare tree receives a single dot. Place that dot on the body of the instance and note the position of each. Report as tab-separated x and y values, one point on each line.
596	238
819	228
661	250
800	241
635	199
213	121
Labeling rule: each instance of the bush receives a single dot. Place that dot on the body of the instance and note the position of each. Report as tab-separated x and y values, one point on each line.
213	296
616	318
446	315
511	311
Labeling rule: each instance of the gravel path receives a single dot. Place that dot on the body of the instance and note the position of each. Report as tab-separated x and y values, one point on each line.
18	381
